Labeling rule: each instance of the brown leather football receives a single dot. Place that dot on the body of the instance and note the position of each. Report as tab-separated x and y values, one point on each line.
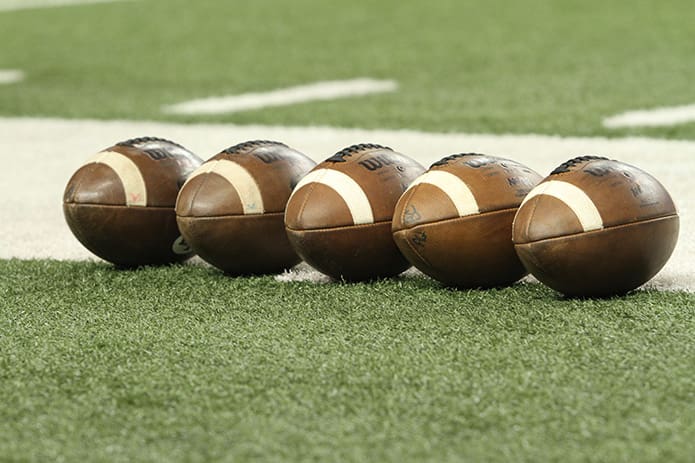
231	209
120	203
338	218
596	227
454	223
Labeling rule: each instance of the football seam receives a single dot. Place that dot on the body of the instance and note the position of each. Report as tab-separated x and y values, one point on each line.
204	177
65	203
212	217
302	206
451	219
308	194
417	253
402	215
77	182
195	195
341	227
612	227
531	215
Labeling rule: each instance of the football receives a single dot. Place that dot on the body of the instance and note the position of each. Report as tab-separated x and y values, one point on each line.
231	209
596	227
454	223
338	218
120	203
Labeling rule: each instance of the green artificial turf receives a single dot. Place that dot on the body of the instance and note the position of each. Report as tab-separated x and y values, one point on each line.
475	66
185	364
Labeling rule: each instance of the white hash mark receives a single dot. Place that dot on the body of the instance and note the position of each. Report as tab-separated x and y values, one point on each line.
325	90
657	117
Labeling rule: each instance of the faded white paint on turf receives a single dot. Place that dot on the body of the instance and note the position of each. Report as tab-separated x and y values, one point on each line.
41	154
657	117
10	76
13	5
326	90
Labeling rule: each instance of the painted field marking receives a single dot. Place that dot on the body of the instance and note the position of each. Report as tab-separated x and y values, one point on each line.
10	76
325	90
657	117
14	5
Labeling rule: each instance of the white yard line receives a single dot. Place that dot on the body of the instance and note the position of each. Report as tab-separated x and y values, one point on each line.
13	5
10	76
657	117
326	90
41	154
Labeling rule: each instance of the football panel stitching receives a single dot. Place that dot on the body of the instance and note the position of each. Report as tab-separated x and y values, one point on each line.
614	227
342	227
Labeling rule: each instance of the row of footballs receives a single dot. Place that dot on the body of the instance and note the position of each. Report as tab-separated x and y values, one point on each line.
593	227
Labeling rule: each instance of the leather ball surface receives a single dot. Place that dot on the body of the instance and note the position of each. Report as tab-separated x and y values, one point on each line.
596	227
454	223
231	209
120	203
338	218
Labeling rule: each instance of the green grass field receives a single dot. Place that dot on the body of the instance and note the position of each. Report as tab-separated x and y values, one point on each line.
184	364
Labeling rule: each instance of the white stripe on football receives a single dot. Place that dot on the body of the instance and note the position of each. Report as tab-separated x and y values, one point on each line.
456	189
573	196
129	174
348	189
238	177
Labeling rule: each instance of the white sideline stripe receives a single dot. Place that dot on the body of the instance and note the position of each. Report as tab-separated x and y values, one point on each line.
455	188
326	90
11	76
240	179
657	117
14	5
351	192
129	174
573	196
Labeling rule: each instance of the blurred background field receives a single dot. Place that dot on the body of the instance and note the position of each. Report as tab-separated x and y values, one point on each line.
465	66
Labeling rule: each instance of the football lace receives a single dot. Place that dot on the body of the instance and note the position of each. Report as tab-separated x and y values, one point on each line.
251	144
445	160
568	165
350	150
136	141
